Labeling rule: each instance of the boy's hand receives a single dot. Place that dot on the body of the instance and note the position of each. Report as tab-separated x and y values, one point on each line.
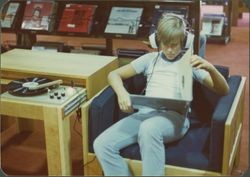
124	102
199	63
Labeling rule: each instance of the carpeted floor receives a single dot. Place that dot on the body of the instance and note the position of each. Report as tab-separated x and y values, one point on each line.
235	55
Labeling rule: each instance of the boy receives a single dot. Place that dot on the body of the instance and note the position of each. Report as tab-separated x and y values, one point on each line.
149	127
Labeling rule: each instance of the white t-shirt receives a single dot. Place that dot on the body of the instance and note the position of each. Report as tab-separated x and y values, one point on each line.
163	82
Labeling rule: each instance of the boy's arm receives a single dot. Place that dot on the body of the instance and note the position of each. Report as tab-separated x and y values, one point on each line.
115	80
215	81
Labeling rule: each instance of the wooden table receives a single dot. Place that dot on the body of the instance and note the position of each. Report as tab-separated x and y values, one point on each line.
87	71
56	124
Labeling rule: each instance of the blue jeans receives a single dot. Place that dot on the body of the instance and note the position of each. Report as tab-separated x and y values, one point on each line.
203	42
150	129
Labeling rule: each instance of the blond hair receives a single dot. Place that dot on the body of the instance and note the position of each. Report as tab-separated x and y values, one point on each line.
171	28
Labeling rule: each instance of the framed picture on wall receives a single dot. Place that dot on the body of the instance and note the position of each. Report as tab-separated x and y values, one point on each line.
124	20
9	12
39	15
77	18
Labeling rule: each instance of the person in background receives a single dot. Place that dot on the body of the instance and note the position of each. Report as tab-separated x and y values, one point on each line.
203	44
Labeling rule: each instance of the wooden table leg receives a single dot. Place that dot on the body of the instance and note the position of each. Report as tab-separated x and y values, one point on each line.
6	122
25	125
57	136
235	12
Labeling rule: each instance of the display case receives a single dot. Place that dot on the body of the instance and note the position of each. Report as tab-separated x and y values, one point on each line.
98	20
223	36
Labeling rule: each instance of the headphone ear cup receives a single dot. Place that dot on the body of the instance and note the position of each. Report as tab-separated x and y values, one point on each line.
153	40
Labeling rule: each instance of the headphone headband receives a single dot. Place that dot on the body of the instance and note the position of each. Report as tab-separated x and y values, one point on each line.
172	15
189	36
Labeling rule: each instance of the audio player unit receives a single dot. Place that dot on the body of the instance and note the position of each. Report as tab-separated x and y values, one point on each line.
46	92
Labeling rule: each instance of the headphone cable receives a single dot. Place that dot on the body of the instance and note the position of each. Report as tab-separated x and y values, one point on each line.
151	74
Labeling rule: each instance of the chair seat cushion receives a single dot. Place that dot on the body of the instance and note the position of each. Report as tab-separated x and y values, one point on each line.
190	151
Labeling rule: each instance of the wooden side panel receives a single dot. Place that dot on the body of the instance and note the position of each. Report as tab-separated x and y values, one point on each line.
98	80
233	130
170	170
92	166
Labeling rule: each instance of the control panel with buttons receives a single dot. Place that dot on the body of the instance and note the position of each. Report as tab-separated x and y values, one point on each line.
66	96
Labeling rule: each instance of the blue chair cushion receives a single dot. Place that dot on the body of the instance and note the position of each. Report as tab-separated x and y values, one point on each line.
190	151
102	112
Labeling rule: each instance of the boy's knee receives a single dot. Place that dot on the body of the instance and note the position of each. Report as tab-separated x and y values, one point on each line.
102	147
98	145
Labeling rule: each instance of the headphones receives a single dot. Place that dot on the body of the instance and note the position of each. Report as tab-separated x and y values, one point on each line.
189	36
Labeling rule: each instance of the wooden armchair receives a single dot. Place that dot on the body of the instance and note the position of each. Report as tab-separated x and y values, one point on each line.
211	146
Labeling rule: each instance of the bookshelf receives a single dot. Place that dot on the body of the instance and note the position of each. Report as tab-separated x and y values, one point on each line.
27	37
